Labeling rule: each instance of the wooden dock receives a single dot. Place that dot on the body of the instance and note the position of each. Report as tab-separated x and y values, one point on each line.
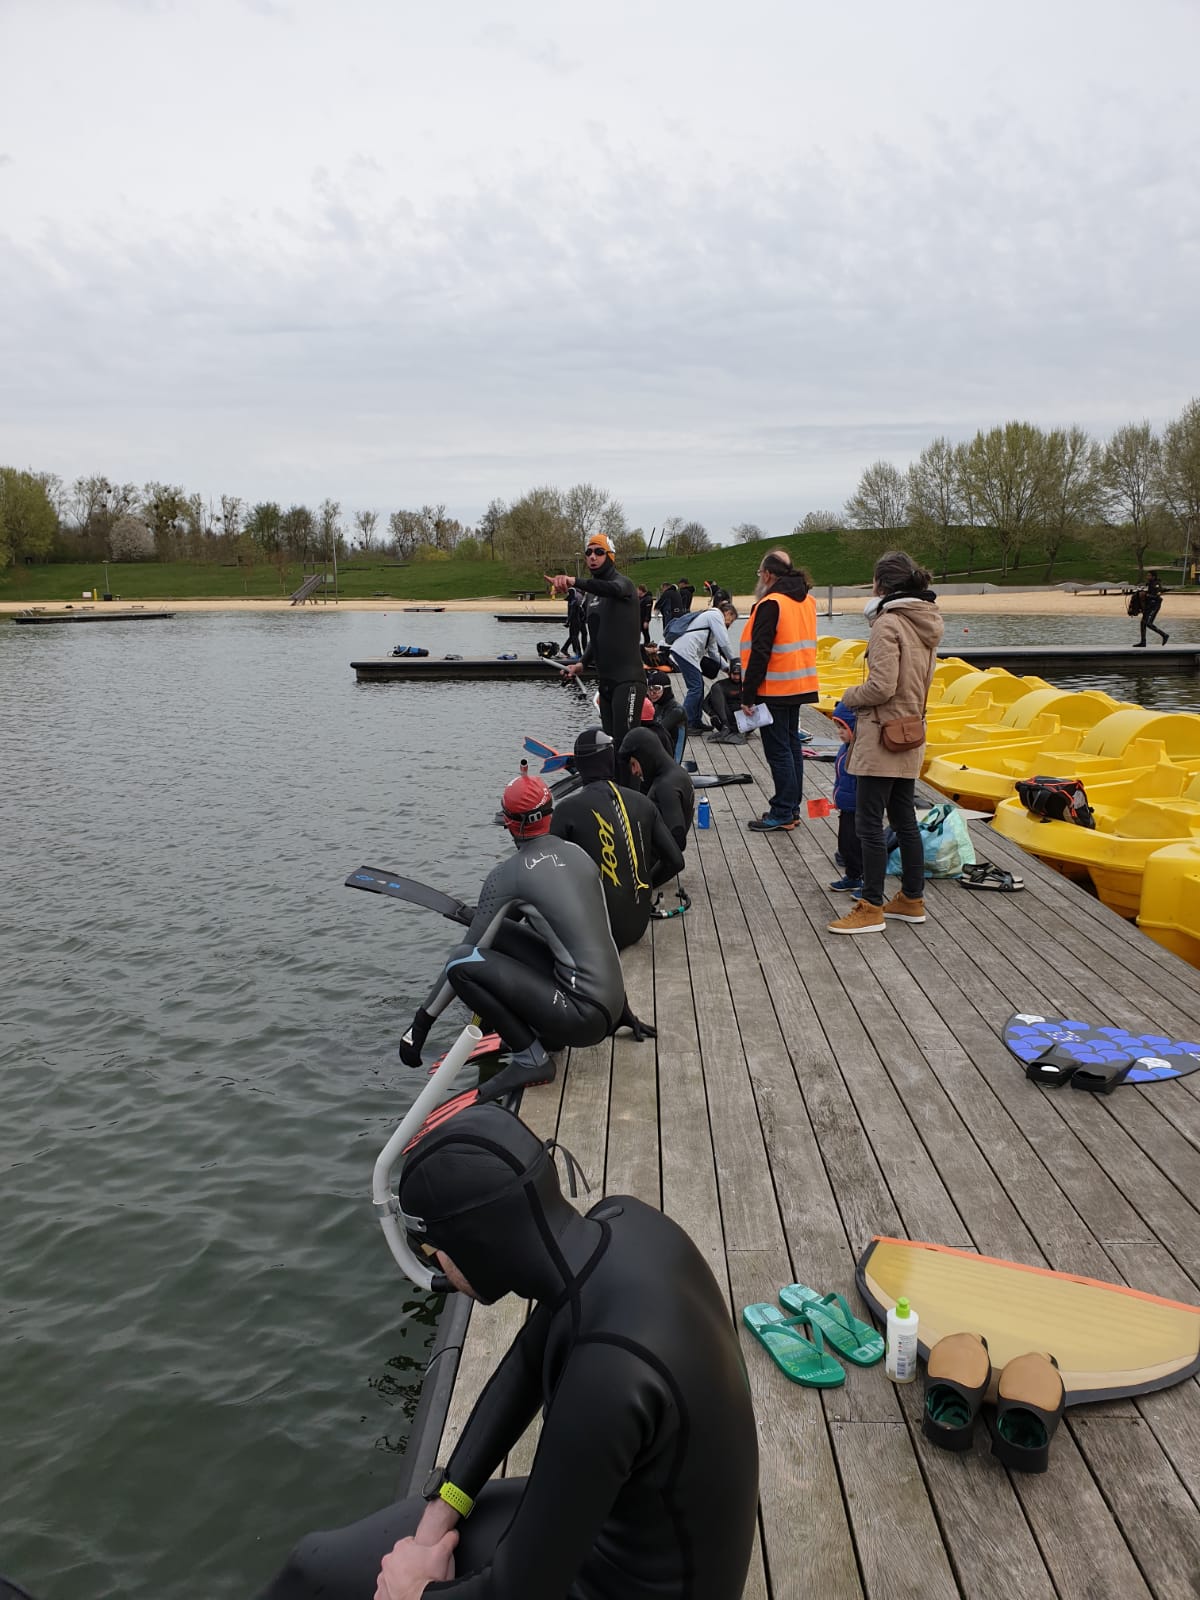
809	1092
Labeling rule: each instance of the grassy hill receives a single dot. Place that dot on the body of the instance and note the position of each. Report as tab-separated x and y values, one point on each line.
828	558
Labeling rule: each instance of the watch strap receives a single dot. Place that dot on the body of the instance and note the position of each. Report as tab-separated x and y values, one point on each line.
457	1499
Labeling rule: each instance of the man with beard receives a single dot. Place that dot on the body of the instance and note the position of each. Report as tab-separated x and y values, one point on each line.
779	668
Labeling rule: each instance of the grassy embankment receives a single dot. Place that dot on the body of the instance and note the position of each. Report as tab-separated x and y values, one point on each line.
827	559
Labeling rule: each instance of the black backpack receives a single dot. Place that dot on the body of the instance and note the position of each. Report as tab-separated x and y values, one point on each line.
1134	606
1056	800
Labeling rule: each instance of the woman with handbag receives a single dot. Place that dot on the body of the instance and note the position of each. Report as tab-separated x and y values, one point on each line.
889	744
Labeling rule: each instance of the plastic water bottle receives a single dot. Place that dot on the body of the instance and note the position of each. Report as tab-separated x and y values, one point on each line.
703	812
901	1358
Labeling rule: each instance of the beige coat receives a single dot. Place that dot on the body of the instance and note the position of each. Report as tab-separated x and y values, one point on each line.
900	660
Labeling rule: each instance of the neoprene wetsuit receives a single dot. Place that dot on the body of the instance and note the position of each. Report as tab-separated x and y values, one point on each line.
625	835
614	648
555	975
645	1482
665	781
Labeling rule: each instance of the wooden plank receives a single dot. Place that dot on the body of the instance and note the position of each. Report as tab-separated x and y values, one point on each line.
1152	1507
632	1147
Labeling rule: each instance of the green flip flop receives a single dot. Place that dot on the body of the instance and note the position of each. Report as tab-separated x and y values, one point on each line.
854	1340
802	1360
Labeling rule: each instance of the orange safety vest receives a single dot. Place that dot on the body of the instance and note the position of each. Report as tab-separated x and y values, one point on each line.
792	667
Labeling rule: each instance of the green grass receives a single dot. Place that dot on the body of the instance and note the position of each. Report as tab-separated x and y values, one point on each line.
827	558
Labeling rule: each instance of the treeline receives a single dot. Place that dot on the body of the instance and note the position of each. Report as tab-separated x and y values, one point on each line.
44	519
1018	490
1029	490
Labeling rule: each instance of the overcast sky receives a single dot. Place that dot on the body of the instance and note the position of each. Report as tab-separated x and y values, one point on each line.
714	257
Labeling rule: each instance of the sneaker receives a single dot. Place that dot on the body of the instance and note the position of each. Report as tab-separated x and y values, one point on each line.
733	737
854	885
1141	645
901	909
769	824
1166	636
861	918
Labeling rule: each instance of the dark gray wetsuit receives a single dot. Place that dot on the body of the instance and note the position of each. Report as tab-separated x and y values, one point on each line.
625	835
645	1482
555	975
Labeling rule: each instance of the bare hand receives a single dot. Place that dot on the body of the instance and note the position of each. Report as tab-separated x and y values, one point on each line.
408	1567
560	582
437	1520
573	670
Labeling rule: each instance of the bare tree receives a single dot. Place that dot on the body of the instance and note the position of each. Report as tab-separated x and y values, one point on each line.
820	522
489	522
1072	490
880	500
329	528
365	522
535	531
1130	466
935	502
1178	477
1005	471
407	530
164	506
747	533
584	507
691	540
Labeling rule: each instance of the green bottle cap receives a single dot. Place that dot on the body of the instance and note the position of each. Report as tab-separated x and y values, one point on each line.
902	1309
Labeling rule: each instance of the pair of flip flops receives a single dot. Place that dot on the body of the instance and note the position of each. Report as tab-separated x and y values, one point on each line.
1029	1401
1057	1066
986	875
828	1320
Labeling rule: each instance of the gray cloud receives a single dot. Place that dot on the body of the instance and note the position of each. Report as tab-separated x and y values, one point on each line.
702	330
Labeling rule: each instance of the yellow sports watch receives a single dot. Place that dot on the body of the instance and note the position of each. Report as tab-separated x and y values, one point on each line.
439	1487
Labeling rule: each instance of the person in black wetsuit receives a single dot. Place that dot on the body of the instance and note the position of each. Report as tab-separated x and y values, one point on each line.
623	832
577	630
668	713
645	611
645	1482
546	981
665	782
614	636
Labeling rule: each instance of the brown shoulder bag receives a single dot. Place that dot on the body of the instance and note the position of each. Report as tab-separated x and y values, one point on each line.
903	733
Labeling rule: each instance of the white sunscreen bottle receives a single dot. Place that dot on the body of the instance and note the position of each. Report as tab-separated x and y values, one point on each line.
901	1359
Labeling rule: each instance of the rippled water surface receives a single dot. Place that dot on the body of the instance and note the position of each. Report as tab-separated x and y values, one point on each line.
204	1347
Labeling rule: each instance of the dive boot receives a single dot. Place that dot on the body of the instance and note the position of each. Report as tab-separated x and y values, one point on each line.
1029	1405
956	1378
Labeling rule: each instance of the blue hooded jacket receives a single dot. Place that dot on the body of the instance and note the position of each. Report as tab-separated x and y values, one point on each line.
845	785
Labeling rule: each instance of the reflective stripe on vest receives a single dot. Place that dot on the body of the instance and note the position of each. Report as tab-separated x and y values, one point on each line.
792	666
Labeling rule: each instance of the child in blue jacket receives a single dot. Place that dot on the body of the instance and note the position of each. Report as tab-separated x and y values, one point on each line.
845	795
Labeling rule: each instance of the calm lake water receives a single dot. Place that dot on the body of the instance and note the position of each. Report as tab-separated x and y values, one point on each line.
206	1350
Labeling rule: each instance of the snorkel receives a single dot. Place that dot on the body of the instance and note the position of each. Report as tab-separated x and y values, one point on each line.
384	1194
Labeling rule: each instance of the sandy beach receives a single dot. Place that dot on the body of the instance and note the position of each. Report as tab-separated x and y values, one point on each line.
1044	602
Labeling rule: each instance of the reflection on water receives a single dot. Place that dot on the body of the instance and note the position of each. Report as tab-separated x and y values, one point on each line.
207	1349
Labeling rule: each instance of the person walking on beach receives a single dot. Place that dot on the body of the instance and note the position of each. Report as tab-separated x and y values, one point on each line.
1151	604
889	741
779	668
645	1481
614	644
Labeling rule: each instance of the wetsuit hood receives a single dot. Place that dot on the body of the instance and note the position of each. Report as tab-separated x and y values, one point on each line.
647	748
485	1189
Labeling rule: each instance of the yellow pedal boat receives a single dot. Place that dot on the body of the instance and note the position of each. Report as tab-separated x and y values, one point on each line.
1170	907
1122	743
1135	817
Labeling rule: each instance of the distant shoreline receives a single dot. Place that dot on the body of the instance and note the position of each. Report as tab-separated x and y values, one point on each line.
1048	603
